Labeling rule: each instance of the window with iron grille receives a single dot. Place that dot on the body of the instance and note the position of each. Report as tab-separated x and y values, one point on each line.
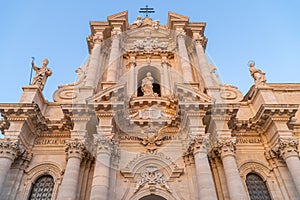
257	188
42	189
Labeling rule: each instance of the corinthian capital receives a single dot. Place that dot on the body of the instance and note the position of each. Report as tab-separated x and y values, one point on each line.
225	146
286	147
198	144
104	145
9	148
75	148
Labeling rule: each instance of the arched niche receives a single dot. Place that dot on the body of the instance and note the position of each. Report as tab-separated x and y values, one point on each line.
155	73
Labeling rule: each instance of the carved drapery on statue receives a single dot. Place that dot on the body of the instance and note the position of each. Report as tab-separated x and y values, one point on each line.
258	76
147	87
41	74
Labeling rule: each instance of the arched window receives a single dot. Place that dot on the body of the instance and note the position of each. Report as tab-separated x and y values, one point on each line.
42	189
257	188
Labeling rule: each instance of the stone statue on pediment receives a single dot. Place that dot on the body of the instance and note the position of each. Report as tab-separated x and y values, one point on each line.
258	76
41	74
138	21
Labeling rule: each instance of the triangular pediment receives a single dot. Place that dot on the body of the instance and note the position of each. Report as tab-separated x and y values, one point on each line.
119	19
122	16
176	19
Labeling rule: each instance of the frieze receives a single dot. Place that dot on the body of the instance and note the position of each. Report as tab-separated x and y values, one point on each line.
249	140
50	141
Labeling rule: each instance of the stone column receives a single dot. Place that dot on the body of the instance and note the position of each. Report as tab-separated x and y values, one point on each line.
203	65
131	81
225	147
100	184
94	62
166	79
114	56
288	150
68	188
8	152
206	185
184	58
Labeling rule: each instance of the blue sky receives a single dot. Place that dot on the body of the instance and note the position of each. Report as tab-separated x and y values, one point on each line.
266	31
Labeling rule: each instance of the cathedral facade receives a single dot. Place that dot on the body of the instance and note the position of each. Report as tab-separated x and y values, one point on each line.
147	119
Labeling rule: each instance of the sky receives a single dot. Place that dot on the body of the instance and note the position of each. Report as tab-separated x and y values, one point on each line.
267	32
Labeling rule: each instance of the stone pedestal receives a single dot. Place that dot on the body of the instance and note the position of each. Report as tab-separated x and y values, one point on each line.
100	184
68	188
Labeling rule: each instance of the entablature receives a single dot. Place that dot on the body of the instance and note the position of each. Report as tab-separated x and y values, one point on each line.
265	115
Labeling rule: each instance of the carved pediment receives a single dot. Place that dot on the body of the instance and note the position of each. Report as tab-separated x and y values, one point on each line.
186	94
110	95
119	18
175	19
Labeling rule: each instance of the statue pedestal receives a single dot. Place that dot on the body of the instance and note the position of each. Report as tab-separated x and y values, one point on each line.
32	94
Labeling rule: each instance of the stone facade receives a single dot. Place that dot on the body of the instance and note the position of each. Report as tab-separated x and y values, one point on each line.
148	118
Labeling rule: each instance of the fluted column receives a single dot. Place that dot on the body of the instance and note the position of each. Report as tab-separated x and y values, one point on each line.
288	150
68	188
8	152
95	60
225	147
184	58
114	56
100	184
166	79
206	185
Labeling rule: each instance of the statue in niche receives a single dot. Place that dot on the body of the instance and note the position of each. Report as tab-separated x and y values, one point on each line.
258	76
41	74
147	87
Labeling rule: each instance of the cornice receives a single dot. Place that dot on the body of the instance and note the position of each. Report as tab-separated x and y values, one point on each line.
266	114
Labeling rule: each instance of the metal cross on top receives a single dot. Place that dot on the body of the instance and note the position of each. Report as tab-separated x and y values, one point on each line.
147	10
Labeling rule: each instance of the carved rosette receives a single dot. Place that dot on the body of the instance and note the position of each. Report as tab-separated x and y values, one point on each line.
286	148
225	147
75	148
9	148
